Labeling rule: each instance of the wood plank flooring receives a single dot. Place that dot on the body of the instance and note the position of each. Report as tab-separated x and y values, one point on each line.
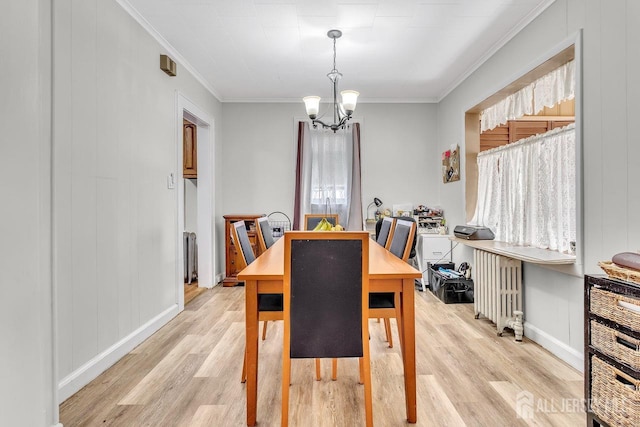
191	291
188	374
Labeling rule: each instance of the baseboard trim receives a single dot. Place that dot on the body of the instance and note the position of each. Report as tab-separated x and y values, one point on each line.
82	376
556	347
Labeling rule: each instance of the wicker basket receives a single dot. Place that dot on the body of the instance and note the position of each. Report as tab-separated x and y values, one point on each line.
615	396
621	273
614	343
611	306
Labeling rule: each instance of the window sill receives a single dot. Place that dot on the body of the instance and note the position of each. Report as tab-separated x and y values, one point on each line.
523	253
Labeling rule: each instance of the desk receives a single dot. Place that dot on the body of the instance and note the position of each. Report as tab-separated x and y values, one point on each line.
387	273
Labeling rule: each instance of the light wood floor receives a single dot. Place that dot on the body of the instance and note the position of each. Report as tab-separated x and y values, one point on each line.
191	291
188	374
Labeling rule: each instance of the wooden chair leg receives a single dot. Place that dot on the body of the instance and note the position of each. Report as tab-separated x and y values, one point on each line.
387	328
398	303
365	372
317	369
334	369
244	368
264	330
361	369
286	380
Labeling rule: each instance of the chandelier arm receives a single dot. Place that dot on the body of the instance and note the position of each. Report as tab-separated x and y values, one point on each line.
334	126
316	122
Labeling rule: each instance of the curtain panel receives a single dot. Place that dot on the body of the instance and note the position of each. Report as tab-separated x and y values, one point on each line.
526	191
328	175
547	91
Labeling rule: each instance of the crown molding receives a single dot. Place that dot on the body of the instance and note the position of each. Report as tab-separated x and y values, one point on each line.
360	101
172	51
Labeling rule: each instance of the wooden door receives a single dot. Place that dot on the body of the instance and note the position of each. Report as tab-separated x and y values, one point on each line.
189	150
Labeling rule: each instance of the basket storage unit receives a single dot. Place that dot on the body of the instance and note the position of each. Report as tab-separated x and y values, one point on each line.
449	290
612	352
615	397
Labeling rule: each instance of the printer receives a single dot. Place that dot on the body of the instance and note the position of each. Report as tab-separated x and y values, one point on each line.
472	232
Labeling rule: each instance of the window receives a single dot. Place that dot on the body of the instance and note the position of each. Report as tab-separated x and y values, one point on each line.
522	191
328	172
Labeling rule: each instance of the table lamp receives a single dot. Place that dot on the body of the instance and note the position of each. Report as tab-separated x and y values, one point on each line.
377	202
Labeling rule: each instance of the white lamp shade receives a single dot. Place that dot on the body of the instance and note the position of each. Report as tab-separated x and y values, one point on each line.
312	104
349	100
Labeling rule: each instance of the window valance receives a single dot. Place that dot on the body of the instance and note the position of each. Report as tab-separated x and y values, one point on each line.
547	91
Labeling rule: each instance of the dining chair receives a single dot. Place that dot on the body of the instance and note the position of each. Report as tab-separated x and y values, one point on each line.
311	220
384	234
269	305
265	234
386	305
326	303
265	241
386	231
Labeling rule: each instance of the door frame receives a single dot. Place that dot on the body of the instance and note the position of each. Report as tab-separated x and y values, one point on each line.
206	195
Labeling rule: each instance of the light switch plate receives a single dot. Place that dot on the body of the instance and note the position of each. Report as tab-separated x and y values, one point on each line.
171	181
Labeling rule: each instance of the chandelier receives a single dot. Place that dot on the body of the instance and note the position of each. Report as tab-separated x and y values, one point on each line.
341	111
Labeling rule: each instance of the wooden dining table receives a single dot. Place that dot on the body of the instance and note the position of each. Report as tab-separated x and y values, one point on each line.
387	273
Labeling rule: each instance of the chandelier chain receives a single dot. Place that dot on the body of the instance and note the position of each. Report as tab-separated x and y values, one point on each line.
334	54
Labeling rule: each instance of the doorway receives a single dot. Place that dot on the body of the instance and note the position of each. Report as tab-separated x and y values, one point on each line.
195	201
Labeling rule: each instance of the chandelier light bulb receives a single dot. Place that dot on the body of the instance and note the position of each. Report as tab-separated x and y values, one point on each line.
312	104
349	100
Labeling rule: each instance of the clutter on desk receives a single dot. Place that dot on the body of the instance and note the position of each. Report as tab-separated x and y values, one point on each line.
381	213
430	220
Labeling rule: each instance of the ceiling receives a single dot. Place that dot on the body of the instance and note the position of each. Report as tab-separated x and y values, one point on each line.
278	50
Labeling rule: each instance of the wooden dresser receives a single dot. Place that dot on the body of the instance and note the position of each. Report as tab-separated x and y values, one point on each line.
231	254
612	352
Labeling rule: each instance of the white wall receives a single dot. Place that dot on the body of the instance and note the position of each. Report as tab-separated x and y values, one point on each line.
115	220
26	353
553	301
399	161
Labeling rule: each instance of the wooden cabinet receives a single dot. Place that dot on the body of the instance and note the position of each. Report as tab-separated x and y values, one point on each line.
189	149
612	351
232	264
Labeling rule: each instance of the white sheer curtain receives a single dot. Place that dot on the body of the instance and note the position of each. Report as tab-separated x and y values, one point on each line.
557	86
513	106
547	91
330	174
526	191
